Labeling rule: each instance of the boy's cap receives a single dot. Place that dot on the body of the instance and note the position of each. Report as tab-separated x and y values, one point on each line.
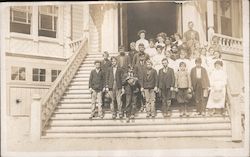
141	31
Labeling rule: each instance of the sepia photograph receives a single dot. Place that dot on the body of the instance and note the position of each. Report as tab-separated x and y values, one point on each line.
125	78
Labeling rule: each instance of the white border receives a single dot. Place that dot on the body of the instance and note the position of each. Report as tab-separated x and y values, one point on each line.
173	152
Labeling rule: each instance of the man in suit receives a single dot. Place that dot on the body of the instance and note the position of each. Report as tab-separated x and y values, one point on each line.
123	60
114	85
166	83
188	34
200	84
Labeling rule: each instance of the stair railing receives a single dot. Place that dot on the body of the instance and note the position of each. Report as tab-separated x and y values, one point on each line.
59	86
230	44
75	44
235	116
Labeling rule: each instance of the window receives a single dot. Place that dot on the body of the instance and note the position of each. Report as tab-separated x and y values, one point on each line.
48	16
20	19
18	73
54	74
39	75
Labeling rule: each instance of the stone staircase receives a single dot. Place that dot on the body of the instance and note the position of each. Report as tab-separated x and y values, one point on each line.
70	119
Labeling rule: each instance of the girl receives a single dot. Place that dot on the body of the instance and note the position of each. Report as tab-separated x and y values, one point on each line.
161	37
217	95
142	40
178	40
151	50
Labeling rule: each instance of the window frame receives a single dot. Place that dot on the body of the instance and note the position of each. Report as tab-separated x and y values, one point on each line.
38	74
18	73
55	76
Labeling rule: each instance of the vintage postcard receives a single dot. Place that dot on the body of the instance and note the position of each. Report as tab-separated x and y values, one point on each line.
125	78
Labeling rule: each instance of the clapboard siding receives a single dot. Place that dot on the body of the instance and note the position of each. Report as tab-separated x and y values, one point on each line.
77	21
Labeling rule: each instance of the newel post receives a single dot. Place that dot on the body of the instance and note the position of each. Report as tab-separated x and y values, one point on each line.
236	122
35	118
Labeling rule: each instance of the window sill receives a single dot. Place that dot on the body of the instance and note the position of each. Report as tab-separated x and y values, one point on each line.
32	37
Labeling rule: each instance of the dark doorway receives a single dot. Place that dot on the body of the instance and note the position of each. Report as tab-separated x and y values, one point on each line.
154	17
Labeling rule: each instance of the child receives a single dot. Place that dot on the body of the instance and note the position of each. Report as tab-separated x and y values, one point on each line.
149	87
203	56
167	44
178	40
105	64
95	88
166	83
132	52
183	85
200	84
123	60
142	40
217	94
174	52
161	37
171	62
151	50
183	55
114	85
132	89
158	58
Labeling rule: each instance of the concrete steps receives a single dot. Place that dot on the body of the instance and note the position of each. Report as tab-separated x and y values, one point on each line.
71	118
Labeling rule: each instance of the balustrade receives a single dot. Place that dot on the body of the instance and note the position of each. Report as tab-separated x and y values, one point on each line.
55	93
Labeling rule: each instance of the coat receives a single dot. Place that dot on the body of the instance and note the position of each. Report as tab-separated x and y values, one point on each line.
139	68
110	78
96	80
204	78
166	80
130	88
149	81
139	56
126	62
105	65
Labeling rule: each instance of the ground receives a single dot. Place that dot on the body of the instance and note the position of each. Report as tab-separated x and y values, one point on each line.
18	141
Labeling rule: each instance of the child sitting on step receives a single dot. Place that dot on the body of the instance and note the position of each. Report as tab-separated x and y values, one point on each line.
96	85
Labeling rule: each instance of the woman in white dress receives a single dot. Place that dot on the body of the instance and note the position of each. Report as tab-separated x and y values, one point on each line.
142	40
161	37
218	82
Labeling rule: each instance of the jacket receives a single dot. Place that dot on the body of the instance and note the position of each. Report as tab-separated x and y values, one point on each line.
110	78
204	78
166	80
149	79
96	80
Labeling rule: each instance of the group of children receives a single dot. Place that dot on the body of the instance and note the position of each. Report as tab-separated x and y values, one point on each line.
164	70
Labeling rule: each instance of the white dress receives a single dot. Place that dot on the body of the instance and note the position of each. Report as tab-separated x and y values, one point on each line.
151	52
143	41
157	59
218	81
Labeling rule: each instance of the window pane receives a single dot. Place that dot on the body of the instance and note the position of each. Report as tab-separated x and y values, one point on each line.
53	72
42	78
42	71
53	78
35	71
35	78
14	73
46	22
47	33
21	73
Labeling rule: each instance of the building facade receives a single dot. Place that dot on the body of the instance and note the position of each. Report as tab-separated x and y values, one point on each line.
38	38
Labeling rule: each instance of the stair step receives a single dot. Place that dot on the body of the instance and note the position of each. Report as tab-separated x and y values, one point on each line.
80	79
108	115
210	133
79	100
77	96
86	75
82	72
74	106
73	92
77	83
78	88
110	122
70	110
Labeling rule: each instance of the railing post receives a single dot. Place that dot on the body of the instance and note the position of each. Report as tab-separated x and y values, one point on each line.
35	118
236	122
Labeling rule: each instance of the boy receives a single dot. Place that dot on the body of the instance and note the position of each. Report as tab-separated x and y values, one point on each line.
200	84
183	85
132	52
140	56
166	83
95	88
183	55
114	85
132	89
123	60
149	87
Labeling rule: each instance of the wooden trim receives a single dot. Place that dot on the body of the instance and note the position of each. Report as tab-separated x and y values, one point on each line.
35	56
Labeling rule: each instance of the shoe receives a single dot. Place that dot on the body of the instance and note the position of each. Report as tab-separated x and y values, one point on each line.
203	114
113	116
132	116
153	116
165	115
120	116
